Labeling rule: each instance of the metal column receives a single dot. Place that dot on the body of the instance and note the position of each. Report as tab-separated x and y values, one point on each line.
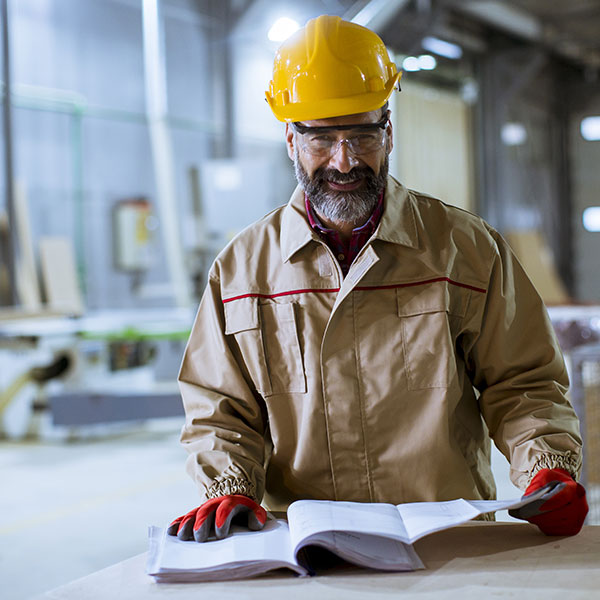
162	151
13	246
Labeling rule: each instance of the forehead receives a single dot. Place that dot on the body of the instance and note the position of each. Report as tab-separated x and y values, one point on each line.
372	116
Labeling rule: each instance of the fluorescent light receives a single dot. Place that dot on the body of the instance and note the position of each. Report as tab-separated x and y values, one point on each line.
282	29
411	63
591	218
441	48
513	134
427	62
590	128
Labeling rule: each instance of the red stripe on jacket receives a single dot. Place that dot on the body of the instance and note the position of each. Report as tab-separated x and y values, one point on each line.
359	288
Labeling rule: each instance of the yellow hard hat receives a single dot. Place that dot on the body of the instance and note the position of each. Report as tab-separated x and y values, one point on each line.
330	68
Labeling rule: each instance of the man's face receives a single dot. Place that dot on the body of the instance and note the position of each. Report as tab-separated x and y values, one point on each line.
342	186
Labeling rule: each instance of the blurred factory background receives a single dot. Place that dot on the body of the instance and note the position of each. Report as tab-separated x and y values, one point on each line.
137	143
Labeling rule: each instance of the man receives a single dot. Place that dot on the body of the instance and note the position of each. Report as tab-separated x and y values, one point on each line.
364	342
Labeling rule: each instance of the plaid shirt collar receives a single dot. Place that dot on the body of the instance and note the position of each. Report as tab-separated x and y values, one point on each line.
345	252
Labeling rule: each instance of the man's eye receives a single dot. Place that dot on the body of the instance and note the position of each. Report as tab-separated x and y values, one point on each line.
320	139
366	137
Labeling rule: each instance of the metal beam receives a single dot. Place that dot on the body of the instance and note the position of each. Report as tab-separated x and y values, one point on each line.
504	16
488	155
376	14
530	65
13	245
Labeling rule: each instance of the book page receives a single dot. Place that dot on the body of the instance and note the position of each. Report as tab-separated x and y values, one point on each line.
531	501
484	506
309	517
422	518
271	544
375	552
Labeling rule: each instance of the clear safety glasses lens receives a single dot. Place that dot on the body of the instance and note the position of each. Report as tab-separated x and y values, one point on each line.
324	142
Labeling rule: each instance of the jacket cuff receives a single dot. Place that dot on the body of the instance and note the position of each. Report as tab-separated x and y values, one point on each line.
231	486
569	462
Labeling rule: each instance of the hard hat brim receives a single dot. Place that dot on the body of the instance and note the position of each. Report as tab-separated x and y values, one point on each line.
333	107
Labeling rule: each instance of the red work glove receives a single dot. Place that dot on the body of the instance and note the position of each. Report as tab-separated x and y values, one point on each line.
218	512
564	513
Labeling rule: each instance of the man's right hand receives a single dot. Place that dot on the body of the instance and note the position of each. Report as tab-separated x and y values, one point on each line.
215	516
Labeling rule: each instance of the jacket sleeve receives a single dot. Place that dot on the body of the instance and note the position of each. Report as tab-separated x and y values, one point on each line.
517	366
225	419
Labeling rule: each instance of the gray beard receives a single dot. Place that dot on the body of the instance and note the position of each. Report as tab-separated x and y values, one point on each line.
355	206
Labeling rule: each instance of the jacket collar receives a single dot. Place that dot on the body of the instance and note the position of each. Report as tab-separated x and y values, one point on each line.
295	229
397	224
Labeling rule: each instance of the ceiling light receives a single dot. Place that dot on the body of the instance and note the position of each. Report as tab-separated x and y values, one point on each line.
591	218
411	63
590	128
282	29
441	48
427	62
513	134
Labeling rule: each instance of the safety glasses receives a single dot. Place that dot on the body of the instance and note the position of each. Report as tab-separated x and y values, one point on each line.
360	139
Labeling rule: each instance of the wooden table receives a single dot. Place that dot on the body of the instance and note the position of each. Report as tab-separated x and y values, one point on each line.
477	560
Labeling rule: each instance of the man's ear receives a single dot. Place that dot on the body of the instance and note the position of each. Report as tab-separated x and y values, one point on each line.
289	140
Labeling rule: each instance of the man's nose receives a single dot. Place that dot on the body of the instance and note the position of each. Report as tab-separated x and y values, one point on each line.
342	159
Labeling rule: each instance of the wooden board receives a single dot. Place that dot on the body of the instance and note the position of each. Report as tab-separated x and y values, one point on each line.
536	257
59	275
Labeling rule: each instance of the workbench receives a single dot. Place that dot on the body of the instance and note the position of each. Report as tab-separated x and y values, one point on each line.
118	366
477	560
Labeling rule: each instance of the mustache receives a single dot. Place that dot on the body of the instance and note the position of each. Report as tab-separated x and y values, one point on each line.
322	175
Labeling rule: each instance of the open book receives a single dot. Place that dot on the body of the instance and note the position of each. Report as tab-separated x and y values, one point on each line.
377	536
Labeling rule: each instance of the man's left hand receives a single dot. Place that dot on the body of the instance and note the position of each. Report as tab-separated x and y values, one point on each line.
565	512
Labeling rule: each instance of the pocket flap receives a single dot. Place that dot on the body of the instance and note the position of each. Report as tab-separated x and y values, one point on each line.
241	315
438	296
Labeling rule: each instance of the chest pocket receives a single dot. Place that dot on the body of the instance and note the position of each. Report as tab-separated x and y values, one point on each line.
431	315
267	336
282	348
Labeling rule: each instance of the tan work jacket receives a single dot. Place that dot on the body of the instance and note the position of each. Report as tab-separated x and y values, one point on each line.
381	386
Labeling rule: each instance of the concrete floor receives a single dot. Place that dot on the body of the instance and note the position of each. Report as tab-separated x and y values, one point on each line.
68	509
